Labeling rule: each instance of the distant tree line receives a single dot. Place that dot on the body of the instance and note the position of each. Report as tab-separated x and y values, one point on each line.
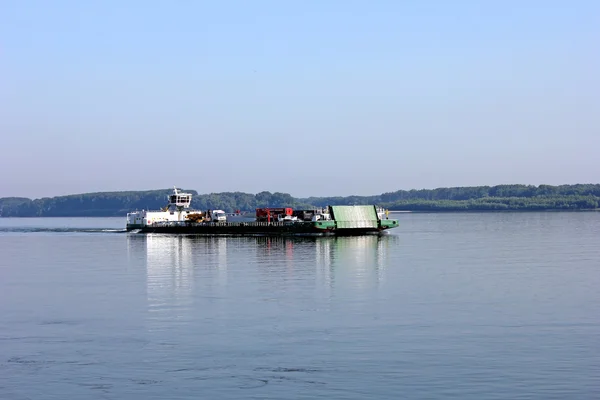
475	198
480	198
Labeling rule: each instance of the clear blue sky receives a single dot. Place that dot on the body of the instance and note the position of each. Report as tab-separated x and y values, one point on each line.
319	97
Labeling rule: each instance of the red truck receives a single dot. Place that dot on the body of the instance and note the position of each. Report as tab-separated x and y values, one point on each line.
269	214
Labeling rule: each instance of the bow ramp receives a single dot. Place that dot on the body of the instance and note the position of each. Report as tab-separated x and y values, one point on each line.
350	217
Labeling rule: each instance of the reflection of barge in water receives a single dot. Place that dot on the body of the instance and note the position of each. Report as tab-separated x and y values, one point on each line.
177	218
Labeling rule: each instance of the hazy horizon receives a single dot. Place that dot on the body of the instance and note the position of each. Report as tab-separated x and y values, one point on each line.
312	99
292	194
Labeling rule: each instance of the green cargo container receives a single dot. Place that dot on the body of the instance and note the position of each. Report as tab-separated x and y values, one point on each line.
350	217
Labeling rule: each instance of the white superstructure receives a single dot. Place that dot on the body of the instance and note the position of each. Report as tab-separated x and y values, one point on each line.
176	210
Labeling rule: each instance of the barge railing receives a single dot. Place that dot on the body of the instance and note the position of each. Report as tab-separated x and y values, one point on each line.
225	224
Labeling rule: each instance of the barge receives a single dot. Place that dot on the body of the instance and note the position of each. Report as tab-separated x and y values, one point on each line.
178	218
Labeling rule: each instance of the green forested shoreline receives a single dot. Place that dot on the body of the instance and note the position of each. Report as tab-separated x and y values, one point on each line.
474	198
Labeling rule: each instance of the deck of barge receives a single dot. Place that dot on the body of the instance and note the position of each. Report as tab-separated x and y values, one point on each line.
347	221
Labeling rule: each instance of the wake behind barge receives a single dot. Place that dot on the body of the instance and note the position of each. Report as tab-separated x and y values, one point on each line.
178	218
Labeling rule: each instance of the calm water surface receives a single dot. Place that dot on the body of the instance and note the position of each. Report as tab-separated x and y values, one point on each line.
464	306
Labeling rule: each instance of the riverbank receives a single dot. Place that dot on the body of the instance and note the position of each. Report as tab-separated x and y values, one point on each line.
578	197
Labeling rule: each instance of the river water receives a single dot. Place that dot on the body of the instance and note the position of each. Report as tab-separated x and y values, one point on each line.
459	306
